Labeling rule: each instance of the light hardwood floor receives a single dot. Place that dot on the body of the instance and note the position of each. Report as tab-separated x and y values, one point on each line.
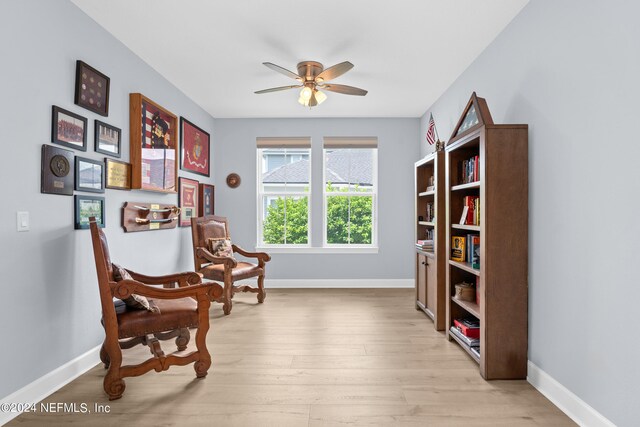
316	357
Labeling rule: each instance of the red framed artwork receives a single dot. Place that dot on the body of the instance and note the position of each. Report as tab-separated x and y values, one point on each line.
195	148
187	200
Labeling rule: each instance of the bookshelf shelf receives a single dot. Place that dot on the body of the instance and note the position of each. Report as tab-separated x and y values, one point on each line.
467	186
494	158
431	266
466	227
471	307
466	267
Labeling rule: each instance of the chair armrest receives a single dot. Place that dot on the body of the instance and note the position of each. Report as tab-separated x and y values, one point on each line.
262	256
227	261
182	279
125	288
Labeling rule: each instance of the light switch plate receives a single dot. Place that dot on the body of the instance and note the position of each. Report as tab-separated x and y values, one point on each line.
22	221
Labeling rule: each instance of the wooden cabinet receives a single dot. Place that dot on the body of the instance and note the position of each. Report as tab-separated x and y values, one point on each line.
430	226
496	186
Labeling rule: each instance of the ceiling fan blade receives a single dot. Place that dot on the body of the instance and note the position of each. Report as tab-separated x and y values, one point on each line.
347	90
335	71
281	70
276	89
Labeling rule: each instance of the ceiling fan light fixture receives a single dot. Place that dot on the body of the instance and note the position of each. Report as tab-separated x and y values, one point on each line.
303	102
320	97
306	93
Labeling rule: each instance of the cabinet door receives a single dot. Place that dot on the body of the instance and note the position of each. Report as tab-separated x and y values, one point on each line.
431	285
422	279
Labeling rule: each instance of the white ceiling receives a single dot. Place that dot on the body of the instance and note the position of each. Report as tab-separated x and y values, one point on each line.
406	52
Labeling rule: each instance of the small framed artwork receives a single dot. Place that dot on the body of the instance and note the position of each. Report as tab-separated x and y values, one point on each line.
86	207
153	145
57	171
89	175
187	200
118	174
195	146
206	199
107	139
92	89
68	129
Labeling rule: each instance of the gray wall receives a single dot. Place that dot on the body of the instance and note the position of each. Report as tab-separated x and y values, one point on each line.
49	307
570	70
235	151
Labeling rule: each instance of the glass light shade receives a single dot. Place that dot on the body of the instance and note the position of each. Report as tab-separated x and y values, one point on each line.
320	97
306	93
303	101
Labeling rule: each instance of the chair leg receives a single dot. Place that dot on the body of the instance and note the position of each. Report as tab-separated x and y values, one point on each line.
228	295
113	383
104	357
183	339
201	366
262	293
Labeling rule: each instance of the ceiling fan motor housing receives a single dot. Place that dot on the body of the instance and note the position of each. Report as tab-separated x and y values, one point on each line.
309	70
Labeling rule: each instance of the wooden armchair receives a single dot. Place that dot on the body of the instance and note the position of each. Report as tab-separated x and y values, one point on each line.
225	269
179	309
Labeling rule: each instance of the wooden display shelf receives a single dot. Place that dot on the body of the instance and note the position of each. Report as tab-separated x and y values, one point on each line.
426	193
428	223
426	253
465	347
466	186
465	266
471	307
466	227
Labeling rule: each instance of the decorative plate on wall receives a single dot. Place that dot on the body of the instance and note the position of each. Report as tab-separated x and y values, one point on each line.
233	180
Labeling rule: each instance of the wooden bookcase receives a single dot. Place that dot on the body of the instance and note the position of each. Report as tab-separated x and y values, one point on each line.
501	278
430	265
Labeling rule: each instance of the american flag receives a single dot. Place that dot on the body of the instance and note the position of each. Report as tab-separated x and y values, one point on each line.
431	131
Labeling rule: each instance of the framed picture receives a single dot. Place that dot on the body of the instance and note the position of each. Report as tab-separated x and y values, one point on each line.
89	175
92	89
118	174
194	148
153	145
85	207
68	129
107	139
57	171
206	199
188	201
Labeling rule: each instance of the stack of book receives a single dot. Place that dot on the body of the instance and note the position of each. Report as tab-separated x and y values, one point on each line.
469	342
470	170
470	210
466	249
430	213
425	245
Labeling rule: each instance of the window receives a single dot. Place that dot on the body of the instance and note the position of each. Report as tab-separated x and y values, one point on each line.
350	191
284	175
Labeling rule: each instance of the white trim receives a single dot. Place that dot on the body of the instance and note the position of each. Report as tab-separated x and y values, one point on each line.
338	283
575	408
295	249
51	382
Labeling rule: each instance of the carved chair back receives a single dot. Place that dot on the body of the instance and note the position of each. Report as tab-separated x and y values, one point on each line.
105	275
207	227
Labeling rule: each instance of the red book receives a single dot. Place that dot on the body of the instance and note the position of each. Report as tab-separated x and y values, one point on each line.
467	331
469	201
476	168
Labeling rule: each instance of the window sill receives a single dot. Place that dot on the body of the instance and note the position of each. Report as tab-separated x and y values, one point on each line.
318	250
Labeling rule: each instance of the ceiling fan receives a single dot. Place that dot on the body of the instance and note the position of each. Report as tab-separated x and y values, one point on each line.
312	77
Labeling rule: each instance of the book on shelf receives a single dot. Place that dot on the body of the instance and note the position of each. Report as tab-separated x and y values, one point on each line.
431	213
457	248
475	251
470	328
470	342
425	245
470	170
463	217
470	210
476	351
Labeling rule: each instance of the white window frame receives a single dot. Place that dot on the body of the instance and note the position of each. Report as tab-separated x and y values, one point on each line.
261	194
373	246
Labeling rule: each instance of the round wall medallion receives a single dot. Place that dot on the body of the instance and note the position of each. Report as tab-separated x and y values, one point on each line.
59	166
233	180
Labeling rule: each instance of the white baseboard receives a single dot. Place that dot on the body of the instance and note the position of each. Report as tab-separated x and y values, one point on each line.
49	383
338	283
575	408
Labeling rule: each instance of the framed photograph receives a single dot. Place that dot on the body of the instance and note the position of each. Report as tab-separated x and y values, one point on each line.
56	171
118	174
194	148
187	201
107	139
92	89
153	145
89	175
68	129
206	199
86	207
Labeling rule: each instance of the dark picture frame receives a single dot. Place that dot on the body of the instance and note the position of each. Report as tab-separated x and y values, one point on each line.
195	149
89	175
108	139
187	200
117	174
92	89
57	171
85	207
206	199
68	129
